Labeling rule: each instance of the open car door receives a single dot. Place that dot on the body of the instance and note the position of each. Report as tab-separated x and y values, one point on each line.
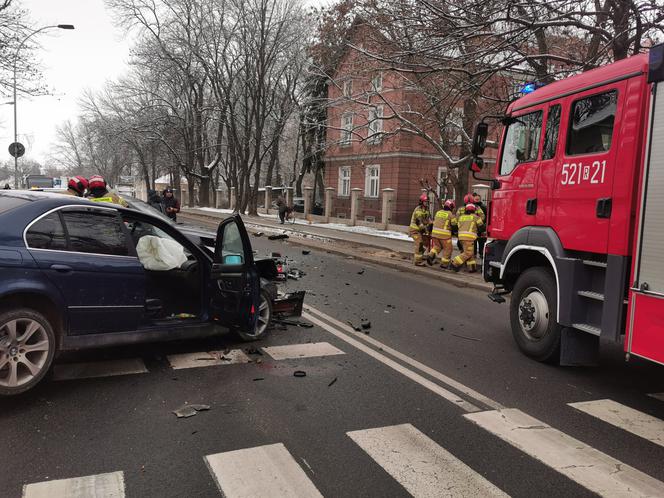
235	282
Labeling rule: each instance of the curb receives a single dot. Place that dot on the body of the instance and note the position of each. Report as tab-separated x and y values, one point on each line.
428	272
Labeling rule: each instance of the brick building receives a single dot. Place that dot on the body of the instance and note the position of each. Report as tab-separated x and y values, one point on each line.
367	147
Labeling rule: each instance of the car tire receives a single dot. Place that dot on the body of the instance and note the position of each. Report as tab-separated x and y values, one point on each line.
533	312
263	320
27	349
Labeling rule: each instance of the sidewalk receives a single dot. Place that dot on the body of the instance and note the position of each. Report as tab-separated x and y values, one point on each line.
365	246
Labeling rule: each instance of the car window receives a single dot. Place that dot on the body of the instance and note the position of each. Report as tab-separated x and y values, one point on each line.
156	249
47	233
95	232
521	141
591	126
232	250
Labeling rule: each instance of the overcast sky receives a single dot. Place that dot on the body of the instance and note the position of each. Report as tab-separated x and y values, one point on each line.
72	61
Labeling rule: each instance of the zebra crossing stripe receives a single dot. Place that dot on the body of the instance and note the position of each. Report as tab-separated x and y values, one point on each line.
94	369
309	350
261	471
624	417
207	359
110	485
420	465
581	463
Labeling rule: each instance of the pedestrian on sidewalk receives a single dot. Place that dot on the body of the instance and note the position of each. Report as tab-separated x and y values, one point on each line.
419	229
444	223
171	204
154	200
470	224
283	209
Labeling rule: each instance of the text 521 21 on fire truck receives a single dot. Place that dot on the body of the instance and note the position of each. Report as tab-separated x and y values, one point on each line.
577	215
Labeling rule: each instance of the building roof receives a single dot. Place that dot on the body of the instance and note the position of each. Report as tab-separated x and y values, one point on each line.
611	72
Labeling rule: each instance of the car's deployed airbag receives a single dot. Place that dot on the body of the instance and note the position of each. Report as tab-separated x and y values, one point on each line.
159	254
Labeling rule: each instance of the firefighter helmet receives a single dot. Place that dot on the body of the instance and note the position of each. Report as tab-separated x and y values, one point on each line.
424	198
78	184
97	182
449	205
470	207
468	199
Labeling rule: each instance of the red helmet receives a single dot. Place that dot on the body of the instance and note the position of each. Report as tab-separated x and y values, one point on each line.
78	184
424	198
468	199
96	181
470	207
449	204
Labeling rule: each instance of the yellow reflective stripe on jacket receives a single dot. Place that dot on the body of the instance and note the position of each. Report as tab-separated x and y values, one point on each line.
102	199
441	234
467	235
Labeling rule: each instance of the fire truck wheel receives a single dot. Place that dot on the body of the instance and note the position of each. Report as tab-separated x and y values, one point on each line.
533	315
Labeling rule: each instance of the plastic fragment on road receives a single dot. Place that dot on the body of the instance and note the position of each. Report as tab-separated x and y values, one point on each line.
186	411
280	236
299	373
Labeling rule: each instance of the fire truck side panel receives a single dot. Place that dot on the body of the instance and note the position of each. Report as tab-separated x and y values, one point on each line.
629	157
645	331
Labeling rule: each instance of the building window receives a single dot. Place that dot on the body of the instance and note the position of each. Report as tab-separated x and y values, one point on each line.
377	82
348	88
375	124
446	188
372	181
344	181
346	128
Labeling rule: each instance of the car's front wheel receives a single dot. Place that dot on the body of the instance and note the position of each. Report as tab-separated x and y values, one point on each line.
263	319
27	348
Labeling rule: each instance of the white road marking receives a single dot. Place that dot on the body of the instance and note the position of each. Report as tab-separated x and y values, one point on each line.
261	471
659	396
207	359
310	350
458	386
420	465
109	368
585	465
109	485
624	417
433	387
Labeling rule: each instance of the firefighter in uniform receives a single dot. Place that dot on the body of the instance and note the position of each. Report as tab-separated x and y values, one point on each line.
469	199
98	192
77	186
469	224
444	223
418	230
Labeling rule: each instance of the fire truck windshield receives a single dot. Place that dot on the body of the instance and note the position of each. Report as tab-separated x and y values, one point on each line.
521	141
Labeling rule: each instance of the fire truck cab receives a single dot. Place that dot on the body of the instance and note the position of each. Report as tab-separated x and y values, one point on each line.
577	213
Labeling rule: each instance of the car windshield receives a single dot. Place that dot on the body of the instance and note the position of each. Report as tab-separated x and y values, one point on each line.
144	207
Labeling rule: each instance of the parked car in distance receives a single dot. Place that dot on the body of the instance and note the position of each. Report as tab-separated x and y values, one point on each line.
78	274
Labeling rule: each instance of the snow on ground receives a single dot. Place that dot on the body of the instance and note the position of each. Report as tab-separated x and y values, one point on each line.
362	230
386	234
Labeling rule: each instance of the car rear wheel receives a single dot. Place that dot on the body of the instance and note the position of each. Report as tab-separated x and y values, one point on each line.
533	312
27	348
263	319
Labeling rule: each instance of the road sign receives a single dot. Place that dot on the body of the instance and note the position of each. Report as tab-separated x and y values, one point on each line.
17	149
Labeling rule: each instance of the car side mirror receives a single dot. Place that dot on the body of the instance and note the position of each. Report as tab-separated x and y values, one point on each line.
233	259
479	139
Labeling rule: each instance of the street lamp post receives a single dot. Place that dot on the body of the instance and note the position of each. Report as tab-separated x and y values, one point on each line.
20	46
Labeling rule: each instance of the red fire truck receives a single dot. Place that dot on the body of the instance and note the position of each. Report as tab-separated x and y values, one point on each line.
577	215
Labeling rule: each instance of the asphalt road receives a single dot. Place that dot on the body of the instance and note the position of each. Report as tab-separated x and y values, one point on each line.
411	429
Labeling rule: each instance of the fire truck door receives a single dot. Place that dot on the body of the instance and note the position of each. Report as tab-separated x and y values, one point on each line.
585	168
646	297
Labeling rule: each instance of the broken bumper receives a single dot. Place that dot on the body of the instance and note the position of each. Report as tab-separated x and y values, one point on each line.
289	304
